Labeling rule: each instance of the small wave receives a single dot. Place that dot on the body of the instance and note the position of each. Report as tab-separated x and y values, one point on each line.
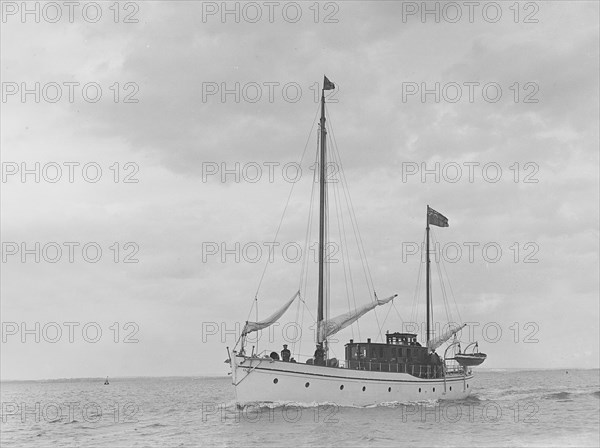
524	391
155	425
596	394
471	399
374	436
557	396
71	422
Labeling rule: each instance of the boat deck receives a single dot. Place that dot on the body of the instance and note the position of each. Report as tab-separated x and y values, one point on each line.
416	370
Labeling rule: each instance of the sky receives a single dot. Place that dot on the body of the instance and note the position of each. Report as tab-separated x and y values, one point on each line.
149	150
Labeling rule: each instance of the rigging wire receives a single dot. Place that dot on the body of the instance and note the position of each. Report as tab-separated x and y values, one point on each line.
354	221
343	233
306	259
343	252
336	158
414	315
398	313
442	283
444	294
286	204
452	293
431	335
442	266
255	301
388	313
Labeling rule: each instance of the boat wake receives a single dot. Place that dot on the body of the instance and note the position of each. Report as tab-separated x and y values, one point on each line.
327	404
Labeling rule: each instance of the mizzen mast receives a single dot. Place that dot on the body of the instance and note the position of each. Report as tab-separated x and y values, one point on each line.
436	219
428	282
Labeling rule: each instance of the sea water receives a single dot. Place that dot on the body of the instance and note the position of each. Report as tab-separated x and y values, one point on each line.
506	408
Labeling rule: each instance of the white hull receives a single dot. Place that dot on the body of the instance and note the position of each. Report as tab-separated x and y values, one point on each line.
265	380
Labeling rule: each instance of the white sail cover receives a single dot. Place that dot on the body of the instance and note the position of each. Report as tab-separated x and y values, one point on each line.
438	341
255	326
332	326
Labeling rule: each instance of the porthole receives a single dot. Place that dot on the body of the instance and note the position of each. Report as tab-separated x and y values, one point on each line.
342	387
419	390
275	381
307	384
389	389
364	388
434	389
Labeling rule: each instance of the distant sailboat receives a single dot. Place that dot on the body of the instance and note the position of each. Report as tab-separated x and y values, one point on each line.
399	369
106	383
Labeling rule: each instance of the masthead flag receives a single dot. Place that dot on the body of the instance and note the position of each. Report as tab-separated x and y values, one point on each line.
436	218
327	84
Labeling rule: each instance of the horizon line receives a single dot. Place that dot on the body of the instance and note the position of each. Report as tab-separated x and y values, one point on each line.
227	376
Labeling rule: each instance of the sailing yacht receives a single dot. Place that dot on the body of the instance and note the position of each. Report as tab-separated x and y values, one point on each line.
399	369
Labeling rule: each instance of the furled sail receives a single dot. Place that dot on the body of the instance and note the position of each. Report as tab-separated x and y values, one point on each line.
332	326
255	326
438	341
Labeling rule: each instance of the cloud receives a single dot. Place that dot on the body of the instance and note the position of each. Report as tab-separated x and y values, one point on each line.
542	204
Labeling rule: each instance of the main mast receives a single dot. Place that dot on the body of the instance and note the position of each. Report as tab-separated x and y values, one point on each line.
322	212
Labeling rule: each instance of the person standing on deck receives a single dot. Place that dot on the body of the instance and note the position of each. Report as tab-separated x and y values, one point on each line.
319	355
285	354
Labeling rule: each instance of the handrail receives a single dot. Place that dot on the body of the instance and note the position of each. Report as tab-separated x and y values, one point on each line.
427	371
418	370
